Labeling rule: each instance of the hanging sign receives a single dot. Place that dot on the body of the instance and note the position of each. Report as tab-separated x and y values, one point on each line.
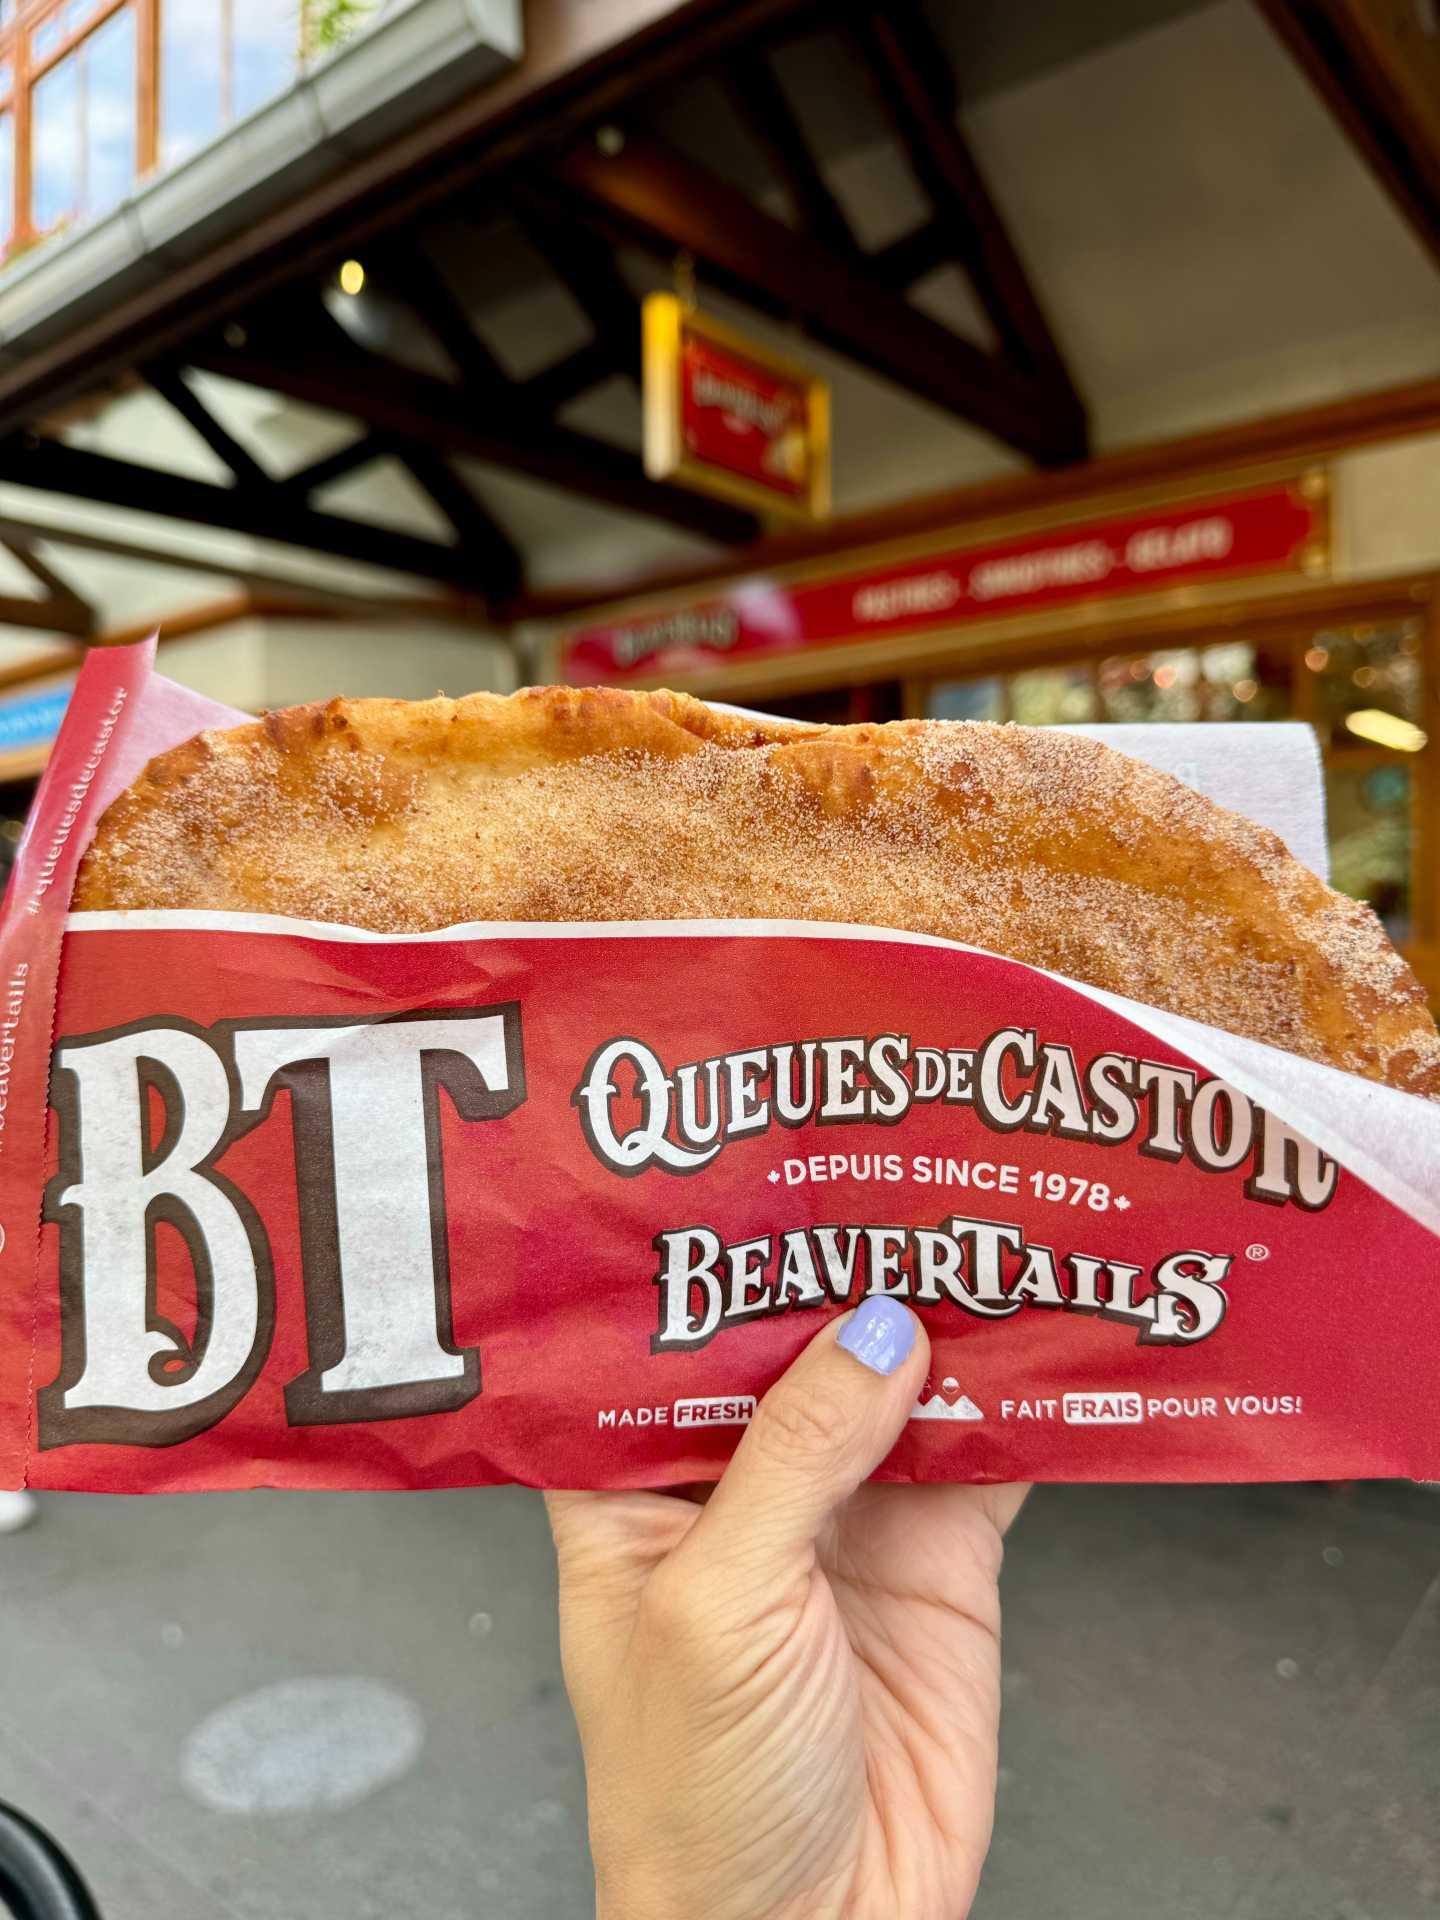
1275	529
729	417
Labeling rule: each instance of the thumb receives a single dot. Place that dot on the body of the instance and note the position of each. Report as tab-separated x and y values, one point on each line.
823	1427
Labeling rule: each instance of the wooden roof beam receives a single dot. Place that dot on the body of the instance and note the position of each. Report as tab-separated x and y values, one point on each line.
61	610
416	407
1378	72
909	69
913	256
586	267
476	528
760	101
648	192
412	277
172	387
564	380
270	514
261	583
357	453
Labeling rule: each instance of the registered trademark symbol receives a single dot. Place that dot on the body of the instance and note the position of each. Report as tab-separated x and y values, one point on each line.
1257	1251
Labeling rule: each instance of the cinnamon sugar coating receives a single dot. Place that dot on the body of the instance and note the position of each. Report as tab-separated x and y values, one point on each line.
563	803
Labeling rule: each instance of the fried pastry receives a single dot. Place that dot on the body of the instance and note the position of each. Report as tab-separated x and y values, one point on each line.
589	804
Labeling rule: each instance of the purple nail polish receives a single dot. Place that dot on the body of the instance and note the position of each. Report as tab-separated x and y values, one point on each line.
880	1335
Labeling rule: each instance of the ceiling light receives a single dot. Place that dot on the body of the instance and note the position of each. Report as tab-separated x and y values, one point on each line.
352	277
1386	729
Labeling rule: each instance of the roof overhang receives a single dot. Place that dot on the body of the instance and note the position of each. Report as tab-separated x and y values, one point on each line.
409	66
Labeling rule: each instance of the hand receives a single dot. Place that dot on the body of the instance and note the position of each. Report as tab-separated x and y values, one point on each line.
788	1697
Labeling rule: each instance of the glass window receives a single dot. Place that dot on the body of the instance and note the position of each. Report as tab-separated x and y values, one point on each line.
83	154
968	700
1053	697
192	102
55	145
1154	686
1358	674
6	77
1369	812
46	37
1229	681
108	58
265	52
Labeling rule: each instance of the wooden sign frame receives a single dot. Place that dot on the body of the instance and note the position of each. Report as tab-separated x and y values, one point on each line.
667	321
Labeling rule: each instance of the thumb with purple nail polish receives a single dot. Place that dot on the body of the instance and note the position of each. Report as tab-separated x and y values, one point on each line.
880	1334
788	1696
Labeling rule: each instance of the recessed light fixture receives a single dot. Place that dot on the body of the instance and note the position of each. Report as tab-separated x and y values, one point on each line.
352	277
1386	729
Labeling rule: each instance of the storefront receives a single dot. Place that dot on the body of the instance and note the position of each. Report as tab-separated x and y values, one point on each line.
1236	597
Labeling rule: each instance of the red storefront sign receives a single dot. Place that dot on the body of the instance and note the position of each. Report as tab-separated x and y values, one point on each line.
1272	529
728	417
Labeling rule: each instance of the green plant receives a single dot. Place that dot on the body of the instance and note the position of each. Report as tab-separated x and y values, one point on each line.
16	249
328	24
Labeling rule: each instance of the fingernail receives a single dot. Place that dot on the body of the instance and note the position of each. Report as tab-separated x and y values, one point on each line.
880	1334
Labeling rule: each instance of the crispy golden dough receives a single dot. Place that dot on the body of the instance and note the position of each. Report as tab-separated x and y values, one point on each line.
562	803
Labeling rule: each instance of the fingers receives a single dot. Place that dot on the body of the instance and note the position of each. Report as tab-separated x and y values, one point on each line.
626	1527
1005	1503
823	1427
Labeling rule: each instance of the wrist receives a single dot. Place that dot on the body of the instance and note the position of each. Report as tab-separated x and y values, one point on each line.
649	1895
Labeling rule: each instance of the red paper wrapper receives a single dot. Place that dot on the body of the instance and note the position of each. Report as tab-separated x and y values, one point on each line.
554	1204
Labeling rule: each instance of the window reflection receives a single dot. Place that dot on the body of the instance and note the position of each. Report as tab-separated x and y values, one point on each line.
108	64
84	126
265	51
1370	838
968	700
192	106
1363	669
56	144
1231	680
1053	697
219	63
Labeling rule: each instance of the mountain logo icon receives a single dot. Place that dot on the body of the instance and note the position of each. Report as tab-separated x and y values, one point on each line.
945	1401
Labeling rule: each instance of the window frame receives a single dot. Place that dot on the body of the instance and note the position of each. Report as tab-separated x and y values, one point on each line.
229	113
27	70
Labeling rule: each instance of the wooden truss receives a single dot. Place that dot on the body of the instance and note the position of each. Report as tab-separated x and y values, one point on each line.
256	312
